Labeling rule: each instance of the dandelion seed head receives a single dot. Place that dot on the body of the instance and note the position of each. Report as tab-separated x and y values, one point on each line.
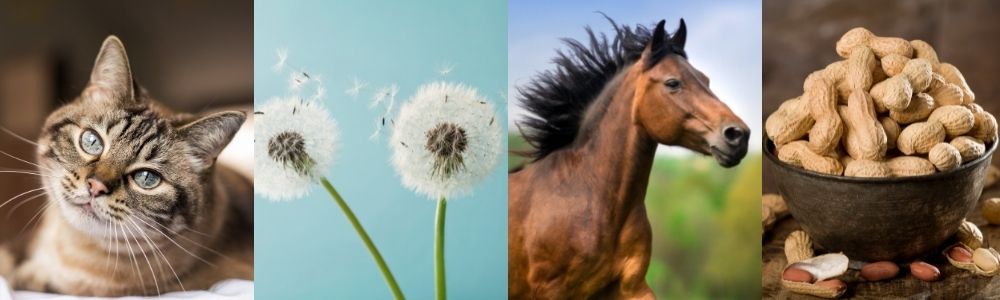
294	143
443	148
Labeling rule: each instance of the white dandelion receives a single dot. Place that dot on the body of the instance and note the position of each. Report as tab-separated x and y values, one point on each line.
446	69
282	59
356	86
294	143
445	140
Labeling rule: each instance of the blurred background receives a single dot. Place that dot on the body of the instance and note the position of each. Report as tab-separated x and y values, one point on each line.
799	38
192	56
704	217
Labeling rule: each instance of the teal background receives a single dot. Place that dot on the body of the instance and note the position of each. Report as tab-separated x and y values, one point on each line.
306	249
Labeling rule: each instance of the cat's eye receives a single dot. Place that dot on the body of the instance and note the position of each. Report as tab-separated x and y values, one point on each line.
673	84
146	179
91	143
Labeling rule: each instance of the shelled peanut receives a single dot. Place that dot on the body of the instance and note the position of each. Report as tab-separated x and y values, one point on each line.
891	108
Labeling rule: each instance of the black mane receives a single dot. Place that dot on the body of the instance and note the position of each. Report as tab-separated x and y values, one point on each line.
558	98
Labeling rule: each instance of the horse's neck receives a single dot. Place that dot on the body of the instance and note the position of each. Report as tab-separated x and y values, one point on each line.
616	148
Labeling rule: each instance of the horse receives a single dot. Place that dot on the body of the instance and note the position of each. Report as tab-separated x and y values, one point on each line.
577	224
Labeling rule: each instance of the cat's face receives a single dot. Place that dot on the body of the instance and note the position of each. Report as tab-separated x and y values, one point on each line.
114	163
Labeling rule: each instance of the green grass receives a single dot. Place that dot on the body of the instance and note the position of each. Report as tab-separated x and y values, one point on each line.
706	236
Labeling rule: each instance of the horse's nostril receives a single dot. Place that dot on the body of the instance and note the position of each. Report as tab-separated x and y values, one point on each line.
733	133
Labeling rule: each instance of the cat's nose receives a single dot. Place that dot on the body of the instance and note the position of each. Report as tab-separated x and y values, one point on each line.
96	187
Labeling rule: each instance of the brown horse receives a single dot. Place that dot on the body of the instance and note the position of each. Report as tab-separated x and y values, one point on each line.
577	222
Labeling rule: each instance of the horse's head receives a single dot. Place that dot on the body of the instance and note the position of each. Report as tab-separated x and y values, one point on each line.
675	106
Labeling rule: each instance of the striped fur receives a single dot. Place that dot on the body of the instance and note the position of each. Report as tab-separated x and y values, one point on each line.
185	233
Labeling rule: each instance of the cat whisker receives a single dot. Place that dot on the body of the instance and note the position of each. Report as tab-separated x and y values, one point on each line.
24	161
186	228
19	195
156	282
28	224
8	131
157	250
175	243
132	258
194	242
23	202
27	173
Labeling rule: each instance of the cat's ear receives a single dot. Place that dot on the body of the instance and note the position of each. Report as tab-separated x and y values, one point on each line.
111	78
209	135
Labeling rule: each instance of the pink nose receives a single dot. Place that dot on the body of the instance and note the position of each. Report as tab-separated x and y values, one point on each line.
96	187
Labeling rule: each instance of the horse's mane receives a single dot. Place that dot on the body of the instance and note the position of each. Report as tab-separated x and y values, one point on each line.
557	98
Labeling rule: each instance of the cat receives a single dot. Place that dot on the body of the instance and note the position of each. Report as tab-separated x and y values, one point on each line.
136	203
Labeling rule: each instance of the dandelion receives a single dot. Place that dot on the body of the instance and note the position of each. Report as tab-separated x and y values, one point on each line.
356	86
444	141
294	143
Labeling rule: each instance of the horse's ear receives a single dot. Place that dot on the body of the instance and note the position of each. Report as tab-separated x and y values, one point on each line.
680	36
659	34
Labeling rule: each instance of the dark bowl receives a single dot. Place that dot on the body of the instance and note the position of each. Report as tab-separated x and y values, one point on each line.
875	219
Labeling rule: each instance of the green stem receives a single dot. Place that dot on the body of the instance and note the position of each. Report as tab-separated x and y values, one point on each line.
439	281
389	279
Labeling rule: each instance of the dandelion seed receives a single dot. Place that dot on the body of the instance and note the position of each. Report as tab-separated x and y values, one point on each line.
356	86
282	59
297	80
454	147
384	93
319	94
294	142
446	69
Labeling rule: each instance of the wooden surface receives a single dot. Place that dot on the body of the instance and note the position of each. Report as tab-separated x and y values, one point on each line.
955	283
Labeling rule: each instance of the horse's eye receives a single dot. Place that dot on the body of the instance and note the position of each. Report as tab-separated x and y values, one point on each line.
91	142
673	83
146	179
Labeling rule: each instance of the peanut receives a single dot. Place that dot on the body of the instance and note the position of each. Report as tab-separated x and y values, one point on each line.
991	210
952	75
776	203
975	108
892	131
985	127
957	120
797	153
920	137
960	254
797	275
882	46
945	157
798	247
867	168
924	271
968	147
922	49
920	107
985	260
892	64
903	166
918	72
969	235
864	137
822	97
878	271
944	93
892	94
790	122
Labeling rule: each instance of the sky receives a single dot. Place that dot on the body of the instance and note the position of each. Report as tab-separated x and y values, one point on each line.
723	41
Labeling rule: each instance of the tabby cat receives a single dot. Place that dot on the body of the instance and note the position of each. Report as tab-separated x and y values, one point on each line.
137	205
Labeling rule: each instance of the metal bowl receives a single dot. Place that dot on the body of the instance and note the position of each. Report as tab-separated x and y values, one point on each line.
875	219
